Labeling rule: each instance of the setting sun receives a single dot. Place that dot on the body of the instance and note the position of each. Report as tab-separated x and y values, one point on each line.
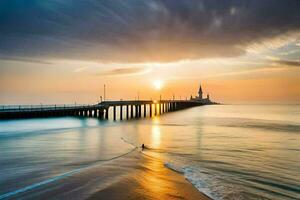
158	84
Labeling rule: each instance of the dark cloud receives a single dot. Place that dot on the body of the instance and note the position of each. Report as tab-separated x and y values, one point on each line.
291	63
123	71
140	30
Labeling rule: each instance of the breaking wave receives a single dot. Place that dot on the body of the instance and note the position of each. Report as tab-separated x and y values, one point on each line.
213	186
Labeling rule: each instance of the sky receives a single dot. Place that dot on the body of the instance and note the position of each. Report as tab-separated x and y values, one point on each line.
64	51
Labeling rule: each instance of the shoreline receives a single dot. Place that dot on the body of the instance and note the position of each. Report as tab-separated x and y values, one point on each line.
133	176
151	179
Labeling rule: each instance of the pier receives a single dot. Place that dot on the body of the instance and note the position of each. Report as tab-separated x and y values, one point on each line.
119	110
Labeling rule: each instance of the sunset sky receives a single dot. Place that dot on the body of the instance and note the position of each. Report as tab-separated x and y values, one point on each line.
64	51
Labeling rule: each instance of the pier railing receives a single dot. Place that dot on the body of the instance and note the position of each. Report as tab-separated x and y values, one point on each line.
16	108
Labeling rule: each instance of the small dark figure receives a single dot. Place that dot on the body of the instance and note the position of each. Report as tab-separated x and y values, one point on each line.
143	146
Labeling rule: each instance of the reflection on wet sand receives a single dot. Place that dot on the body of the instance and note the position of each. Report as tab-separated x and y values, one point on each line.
158	182
150	179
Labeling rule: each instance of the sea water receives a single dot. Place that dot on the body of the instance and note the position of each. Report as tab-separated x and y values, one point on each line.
225	151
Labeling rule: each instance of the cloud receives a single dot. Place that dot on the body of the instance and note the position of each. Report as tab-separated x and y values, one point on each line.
29	60
81	69
143	30
248	72
273	43
290	52
291	63
124	71
278	61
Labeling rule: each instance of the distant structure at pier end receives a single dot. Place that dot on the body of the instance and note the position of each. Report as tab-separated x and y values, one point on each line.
200	97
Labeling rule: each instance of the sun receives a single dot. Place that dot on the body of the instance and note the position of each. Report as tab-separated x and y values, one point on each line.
158	84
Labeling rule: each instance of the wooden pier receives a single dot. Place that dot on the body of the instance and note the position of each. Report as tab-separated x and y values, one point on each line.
120	109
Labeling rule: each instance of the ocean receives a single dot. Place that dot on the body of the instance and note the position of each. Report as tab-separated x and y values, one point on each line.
225	151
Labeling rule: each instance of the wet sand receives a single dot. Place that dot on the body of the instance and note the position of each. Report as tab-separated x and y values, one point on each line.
134	176
150	180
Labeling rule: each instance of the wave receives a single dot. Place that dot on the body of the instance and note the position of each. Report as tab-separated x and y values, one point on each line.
219	186
293	128
172	124
199	181
213	186
22	134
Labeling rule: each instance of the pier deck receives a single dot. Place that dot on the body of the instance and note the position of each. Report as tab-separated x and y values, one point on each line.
131	109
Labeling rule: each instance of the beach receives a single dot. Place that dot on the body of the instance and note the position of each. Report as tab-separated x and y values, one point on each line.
133	176
150	179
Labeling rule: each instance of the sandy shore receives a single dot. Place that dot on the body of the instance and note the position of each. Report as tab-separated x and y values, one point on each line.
134	176
150	180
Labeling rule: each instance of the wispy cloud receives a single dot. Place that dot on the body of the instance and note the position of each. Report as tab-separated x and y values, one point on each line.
290	52
81	69
273	42
276	61
126	71
28	60
247	72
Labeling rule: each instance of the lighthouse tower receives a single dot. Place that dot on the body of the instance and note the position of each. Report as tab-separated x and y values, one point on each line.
200	93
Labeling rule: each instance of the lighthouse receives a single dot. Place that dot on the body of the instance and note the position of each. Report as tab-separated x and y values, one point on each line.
200	98
200	93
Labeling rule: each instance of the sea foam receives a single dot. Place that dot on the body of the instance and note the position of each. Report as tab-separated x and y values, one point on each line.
209	184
